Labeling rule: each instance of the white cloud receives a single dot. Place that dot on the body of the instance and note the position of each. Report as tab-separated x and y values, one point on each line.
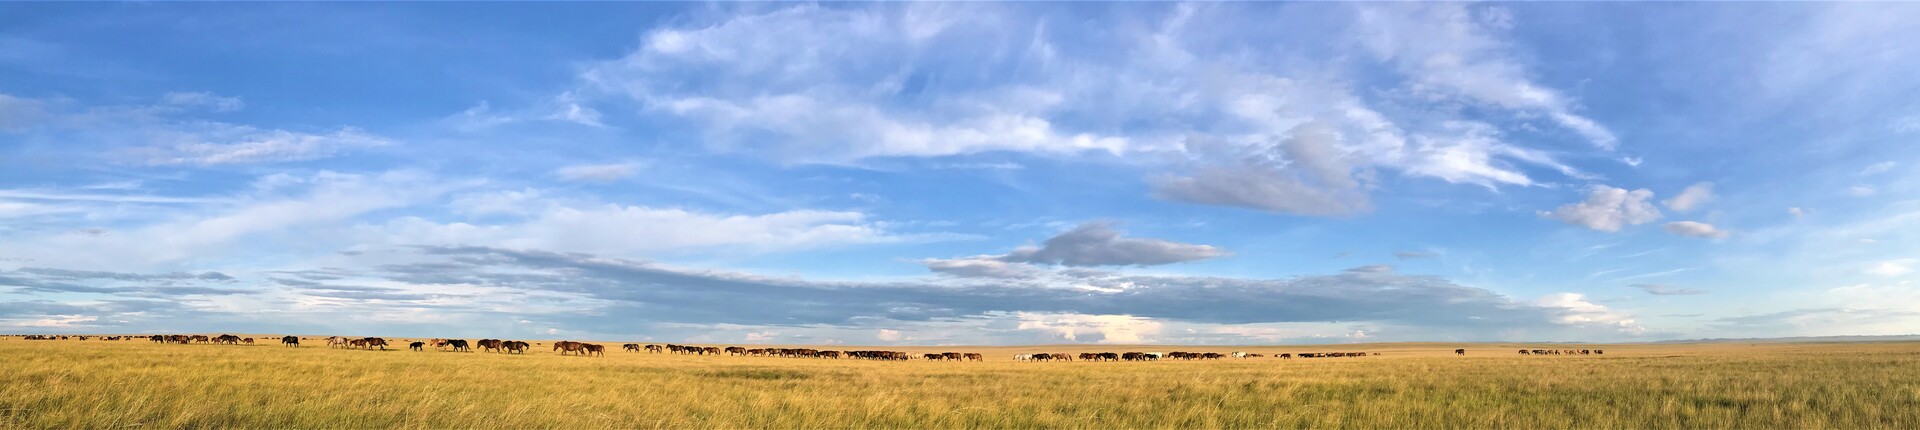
1880	167
19	113
1692	197
983	266
813	83
597	172
1666	290
228	144
831	84
1862	191
1892	268
1608	209
1908	124
59	321
164	134
887	335
1447	51
1304	173
629	230
1796	212
1581	312
1695	229
498	202
1111	329
206	100
300	212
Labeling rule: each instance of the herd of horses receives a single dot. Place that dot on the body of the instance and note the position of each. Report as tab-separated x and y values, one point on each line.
183	339
1561	352
786	352
596	350
1176	355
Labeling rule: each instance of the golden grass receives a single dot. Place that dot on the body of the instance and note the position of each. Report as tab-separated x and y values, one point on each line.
135	384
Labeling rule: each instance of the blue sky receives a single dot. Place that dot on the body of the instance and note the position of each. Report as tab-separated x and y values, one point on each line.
937	173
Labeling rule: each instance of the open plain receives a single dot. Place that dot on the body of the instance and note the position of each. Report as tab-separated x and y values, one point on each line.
139	384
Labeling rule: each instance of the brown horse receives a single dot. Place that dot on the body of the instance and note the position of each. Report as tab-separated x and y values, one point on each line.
570	347
593	349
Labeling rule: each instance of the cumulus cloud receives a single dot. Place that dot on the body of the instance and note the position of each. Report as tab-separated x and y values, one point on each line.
1666	290
441	289
1692	197
1098	244
1577	310
1608	209
1694	229
710	296
1077	328
597	172
1089	244
984	266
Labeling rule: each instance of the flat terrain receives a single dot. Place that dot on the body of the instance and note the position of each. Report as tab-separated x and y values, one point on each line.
136	384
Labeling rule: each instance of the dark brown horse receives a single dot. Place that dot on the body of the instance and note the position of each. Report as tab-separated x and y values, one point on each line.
570	347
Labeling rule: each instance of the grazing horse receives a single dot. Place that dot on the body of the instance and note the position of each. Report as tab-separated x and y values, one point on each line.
633	347
655	348
459	345
593	349
515	347
492	345
569	347
974	356
374	342
248	341
417	346
290	341
735	350
336	342
1461	351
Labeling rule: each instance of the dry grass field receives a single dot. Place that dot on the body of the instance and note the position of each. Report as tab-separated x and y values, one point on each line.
136	384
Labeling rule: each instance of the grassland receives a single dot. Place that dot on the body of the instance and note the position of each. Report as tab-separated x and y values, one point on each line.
135	384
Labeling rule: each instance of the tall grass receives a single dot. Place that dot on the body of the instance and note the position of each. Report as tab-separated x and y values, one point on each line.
93	384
